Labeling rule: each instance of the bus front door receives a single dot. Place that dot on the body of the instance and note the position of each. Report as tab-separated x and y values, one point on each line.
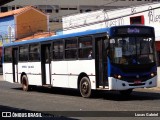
101	62
15	64
45	63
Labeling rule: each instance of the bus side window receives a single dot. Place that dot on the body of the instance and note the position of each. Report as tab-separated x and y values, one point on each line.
58	50
106	48
90	56
71	48
8	54
34	52
23	53
85	48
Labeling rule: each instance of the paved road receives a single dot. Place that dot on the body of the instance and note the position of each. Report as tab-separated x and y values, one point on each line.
1	70
12	98
1	77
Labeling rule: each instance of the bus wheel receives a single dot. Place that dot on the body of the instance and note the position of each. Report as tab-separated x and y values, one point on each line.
25	84
126	92
85	87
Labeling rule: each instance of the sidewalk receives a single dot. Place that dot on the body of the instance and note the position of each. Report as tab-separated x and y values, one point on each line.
1	77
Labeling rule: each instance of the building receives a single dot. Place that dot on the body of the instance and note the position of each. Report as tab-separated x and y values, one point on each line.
20	23
146	14
58	8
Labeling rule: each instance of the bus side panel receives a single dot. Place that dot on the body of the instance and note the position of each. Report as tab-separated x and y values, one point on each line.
59	74
33	72
7	72
81	66
22	68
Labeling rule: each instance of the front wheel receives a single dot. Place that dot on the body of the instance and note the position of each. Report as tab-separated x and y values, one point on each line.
85	87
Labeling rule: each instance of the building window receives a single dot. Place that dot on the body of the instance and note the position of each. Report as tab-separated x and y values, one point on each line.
64	8
48	10
4	9
88	10
13	8
57	10
72	8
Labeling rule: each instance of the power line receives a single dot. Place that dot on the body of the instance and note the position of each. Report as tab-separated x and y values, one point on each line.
106	20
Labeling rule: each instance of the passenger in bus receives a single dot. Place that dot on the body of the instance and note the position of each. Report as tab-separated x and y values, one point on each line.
123	60
90	55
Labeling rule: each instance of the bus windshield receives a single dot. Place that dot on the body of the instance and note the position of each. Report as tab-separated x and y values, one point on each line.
132	50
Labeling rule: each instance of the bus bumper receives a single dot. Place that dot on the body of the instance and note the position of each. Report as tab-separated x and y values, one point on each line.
116	84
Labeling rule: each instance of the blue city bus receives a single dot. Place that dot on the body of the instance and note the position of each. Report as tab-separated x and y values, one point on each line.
119	58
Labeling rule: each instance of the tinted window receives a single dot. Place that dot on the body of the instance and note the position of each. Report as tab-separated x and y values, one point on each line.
58	49
34	52
23	53
85	47
71	48
8	54
85	42
71	54
71	43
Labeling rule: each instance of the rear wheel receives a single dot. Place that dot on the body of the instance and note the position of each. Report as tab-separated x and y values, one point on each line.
85	87
25	84
126	92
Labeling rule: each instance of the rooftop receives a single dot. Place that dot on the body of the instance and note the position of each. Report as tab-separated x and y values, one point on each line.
16	12
37	35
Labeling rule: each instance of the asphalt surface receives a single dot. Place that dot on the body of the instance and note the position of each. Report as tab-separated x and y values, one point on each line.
1	71
70	105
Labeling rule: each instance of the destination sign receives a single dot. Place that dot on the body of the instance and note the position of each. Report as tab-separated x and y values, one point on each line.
133	30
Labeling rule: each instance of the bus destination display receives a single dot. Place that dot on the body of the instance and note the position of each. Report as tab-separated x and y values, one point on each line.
134	30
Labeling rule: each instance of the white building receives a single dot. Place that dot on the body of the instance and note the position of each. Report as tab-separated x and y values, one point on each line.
147	14
58	8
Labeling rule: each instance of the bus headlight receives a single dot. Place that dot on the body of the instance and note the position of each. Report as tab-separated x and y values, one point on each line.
152	74
119	76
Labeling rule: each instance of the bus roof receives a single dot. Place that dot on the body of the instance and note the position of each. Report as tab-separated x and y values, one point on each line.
56	37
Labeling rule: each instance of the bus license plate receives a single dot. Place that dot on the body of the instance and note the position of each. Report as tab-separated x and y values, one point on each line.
137	81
